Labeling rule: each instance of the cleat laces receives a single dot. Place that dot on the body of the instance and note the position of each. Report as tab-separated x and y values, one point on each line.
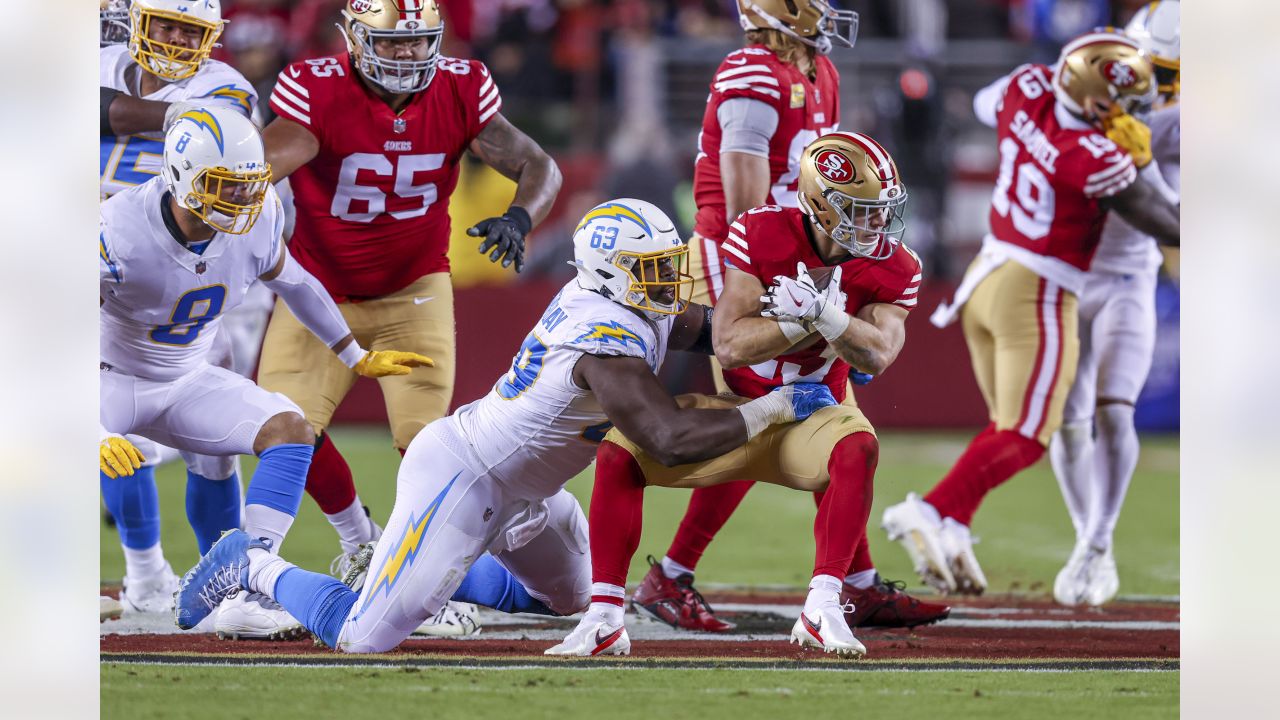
224	583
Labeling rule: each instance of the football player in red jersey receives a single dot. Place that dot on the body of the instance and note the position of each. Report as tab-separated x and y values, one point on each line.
768	101
1070	152
371	143
771	330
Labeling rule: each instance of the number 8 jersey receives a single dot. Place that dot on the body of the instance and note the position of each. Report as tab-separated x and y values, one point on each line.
372	206
1054	171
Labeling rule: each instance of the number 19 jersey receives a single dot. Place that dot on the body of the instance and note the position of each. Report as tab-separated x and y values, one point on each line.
373	205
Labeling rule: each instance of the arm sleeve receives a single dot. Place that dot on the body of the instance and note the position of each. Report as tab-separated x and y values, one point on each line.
987	101
909	296
734	250
746	126
307	299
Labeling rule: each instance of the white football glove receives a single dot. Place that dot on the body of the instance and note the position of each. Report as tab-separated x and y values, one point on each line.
799	299
175	110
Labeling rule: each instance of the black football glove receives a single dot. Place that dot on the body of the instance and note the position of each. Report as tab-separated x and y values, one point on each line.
504	236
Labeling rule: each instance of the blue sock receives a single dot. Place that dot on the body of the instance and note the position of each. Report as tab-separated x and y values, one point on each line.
320	602
281	477
135	504
212	507
490	584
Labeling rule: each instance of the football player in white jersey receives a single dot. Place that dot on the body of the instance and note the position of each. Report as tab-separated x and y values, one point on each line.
175	254
1096	450
490	477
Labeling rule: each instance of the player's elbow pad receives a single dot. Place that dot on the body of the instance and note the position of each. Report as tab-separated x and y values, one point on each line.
309	302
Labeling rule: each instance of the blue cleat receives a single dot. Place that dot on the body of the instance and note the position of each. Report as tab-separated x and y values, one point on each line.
221	573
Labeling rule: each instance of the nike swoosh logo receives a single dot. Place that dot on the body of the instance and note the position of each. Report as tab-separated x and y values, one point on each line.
295	72
739	61
815	629
420	300
604	641
795	299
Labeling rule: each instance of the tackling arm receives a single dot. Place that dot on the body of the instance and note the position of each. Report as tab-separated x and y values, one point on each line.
740	336
691	331
1143	206
289	146
125	115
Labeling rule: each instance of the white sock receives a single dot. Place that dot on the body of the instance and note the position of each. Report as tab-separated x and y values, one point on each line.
1114	463
673	569
265	568
611	613
261	521
823	590
353	525
1071	453
862	579
143	563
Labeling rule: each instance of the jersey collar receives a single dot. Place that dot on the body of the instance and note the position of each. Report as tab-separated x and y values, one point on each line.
171	239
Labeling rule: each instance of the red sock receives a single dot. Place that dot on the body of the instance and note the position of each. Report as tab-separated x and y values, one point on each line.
861	556
991	459
842	514
329	480
617	514
709	509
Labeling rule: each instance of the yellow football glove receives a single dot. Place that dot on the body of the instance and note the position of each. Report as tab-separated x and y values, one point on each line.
1131	134
117	457
381	363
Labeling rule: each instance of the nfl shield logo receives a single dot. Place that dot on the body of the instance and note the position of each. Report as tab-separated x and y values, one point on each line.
201	267
399	125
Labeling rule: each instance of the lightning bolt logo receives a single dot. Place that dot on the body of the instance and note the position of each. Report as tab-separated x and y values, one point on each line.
205	119
613	331
403	554
234	94
617	211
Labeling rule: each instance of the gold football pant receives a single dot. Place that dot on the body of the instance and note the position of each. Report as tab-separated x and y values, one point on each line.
1021	330
418	319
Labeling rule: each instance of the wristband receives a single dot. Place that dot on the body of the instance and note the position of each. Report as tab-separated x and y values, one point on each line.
520	217
106	96
770	408
794	330
352	354
832	321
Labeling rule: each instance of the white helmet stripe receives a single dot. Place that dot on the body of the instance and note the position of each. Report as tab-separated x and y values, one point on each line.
883	165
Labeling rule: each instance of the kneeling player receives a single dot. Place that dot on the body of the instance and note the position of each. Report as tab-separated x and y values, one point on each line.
490	477
849	224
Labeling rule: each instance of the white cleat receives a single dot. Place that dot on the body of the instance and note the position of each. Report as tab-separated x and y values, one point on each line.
914	524
1069	585
455	619
153	594
109	609
826	628
352	567
969	578
594	636
254	616
1103	582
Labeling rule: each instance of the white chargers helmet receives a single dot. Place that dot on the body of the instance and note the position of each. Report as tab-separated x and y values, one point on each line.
200	20
215	167
629	251
1157	29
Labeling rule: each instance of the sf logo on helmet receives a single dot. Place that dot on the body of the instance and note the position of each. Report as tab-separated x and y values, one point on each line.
361	6
1119	74
834	166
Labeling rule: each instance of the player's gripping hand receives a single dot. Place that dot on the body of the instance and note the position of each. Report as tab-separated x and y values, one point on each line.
175	110
858	377
381	363
504	236
800	299
1131	134
117	457
806	398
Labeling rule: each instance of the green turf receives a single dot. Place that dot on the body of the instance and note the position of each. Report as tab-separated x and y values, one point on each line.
1025	533
140	692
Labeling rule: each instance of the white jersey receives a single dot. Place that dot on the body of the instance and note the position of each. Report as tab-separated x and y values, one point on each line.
132	160
1122	249
162	303
537	429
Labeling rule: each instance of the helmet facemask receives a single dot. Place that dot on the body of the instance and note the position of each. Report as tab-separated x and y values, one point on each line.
165	60
869	229
661	273
229	200
829	25
113	23
401	77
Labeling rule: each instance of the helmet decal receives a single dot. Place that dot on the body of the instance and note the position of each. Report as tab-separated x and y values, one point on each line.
205	119
835	167
616	211
1120	74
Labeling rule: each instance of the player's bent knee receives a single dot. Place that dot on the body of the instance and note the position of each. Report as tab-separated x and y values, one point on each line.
284	429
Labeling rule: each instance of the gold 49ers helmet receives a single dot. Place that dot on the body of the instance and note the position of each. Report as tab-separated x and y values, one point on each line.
1101	70
165	59
366	22
849	186
812	22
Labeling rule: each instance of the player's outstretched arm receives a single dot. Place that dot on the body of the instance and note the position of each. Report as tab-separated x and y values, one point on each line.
1143	206
125	115
638	405
289	146
740	335
691	331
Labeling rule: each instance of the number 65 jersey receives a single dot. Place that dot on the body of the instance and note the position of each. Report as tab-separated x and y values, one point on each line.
162	303
373	205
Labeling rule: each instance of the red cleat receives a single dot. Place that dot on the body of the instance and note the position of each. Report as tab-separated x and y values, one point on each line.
884	604
675	602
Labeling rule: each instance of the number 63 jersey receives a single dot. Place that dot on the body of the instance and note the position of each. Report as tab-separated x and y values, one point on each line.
372	206
162	303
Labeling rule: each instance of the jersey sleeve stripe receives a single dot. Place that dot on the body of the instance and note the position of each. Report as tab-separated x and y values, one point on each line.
294	100
497	105
911	290
294	86
906	302
738	226
770	92
916	278
1124	162
488	100
284	108
1113	186
750	79
736	240
733	250
742	70
488	83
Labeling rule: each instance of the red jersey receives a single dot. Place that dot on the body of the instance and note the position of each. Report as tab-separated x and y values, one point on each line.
806	109
768	241
373	205
1054	169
